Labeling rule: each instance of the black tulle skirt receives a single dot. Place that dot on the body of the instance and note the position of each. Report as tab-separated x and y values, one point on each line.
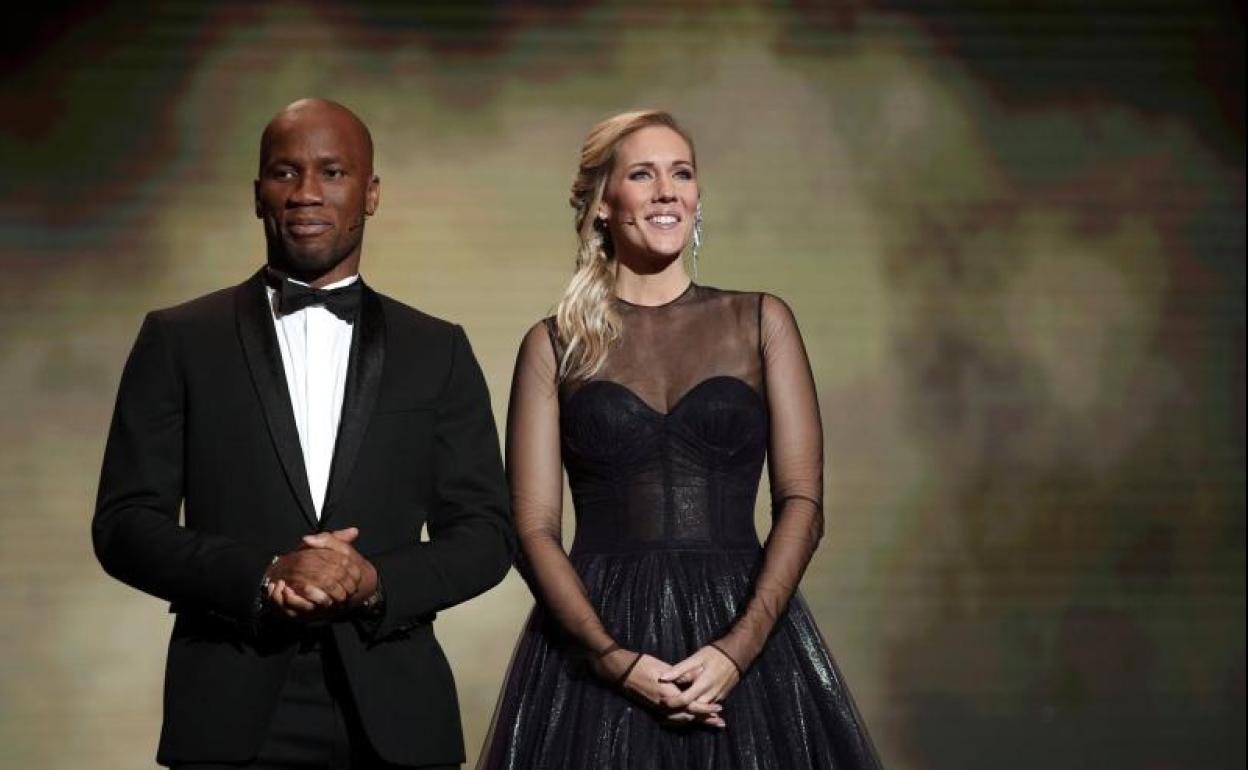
792	710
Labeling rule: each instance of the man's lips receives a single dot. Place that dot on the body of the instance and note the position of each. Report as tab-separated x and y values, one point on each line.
308	228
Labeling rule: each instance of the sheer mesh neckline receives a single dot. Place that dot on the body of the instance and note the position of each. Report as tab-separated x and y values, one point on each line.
686	292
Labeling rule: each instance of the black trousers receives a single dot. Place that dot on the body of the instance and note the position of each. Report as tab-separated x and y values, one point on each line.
315	724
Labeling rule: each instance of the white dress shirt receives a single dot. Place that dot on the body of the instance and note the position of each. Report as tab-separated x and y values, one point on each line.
316	346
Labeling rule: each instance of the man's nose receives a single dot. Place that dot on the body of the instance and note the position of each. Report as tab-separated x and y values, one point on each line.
307	191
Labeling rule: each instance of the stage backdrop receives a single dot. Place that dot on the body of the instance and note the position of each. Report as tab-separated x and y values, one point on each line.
1012	233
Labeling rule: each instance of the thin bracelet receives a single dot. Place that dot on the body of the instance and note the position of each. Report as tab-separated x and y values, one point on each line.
731	659
608	651
619	683
817	503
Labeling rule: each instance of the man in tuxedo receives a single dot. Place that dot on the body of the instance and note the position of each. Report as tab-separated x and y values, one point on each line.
308	427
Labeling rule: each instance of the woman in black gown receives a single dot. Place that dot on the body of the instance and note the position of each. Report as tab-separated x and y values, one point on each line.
668	638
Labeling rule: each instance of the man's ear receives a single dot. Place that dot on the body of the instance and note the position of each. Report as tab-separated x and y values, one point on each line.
372	196
255	190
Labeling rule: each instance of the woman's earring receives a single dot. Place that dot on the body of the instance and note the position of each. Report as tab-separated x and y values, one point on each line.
601	234
697	239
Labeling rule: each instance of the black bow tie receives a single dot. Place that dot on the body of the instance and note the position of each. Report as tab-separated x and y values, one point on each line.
343	301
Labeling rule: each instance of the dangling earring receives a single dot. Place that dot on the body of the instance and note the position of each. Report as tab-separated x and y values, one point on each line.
602	237
697	240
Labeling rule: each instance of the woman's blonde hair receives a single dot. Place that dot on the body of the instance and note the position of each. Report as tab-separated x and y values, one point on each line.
585	318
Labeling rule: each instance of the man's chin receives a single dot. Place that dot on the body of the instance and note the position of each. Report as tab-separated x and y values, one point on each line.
306	265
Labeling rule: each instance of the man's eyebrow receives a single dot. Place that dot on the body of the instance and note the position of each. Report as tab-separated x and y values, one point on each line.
321	159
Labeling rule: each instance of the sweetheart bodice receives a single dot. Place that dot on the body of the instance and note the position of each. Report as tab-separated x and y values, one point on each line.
686	478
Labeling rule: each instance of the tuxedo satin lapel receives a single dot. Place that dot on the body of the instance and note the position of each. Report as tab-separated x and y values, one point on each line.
368	354
264	358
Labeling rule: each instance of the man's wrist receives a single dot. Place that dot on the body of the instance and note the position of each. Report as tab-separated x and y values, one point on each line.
375	603
263	600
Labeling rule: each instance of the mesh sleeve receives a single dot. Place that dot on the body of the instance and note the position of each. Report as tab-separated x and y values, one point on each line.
535	475
795	462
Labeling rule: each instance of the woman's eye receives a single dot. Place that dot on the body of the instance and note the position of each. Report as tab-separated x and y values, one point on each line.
639	174
684	174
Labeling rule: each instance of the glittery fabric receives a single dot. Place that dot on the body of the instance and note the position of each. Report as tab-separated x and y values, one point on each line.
664	450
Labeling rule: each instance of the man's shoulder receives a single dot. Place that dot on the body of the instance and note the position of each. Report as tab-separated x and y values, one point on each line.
410	319
214	306
431	343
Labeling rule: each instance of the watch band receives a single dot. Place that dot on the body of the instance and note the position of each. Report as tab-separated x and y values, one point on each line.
262	597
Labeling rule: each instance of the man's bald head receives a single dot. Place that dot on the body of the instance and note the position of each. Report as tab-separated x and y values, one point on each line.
317	112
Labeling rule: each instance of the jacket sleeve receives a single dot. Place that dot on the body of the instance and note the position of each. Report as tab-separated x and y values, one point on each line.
471	541
135	530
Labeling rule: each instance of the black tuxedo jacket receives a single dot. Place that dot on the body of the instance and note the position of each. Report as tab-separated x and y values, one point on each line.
203	422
